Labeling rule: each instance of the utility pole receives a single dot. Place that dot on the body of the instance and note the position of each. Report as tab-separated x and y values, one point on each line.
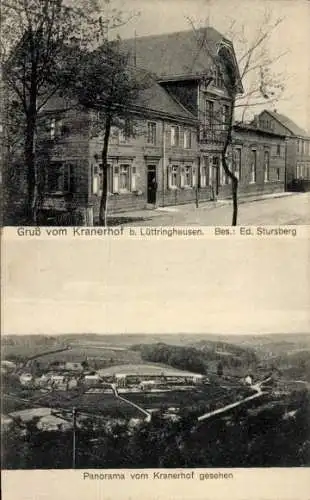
73	438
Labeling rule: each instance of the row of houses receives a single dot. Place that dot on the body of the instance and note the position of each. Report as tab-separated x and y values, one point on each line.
169	150
60	381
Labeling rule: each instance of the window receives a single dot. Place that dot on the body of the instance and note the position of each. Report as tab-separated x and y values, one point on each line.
124	178
266	166
216	74
151	133
173	177
299	142
278	149
97	178
52	127
60	178
209	114
127	131
224	179
304	147
188	176
225	116
253	166
204	172
120	178
56	128
278	174
237	163
187	139
175	135
302	171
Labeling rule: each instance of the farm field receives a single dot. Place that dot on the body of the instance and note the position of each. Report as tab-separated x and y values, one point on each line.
176	398
101	357
209	395
107	405
10	404
144	368
28	350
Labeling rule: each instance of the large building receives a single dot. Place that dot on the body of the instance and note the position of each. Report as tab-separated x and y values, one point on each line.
170	151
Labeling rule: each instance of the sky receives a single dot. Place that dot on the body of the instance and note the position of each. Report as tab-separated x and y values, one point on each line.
150	285
291	37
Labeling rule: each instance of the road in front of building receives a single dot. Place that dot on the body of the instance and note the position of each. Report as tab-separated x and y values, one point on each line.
288	209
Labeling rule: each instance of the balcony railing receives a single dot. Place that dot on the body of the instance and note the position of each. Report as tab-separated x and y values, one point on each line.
214	135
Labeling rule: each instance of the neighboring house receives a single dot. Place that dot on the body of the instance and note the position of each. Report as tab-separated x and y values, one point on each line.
9	365
26	379
46	420
73	366
91	380
297	145
53	423
258	160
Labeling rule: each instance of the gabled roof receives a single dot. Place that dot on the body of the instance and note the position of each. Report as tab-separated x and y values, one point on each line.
153	99
175	54
287	123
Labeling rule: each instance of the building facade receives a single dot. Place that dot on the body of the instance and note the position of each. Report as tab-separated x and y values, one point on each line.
152	158
297	158
170	152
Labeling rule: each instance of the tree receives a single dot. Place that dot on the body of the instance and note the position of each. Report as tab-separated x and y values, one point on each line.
220	369
39	60
108	85
249	81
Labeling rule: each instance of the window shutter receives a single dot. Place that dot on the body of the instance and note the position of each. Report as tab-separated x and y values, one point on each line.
133	178
95	184
211	173
115	179
220	173
205	172
182	177
95	179
194	180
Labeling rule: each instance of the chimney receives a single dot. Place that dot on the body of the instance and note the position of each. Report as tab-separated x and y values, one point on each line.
255	121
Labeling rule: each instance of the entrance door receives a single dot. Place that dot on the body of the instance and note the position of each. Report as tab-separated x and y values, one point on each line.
215	176
151	184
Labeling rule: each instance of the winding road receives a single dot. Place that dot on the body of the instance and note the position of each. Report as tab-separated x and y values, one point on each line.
258	394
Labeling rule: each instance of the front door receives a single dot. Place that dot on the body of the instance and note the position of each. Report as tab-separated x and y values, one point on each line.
151	184
215	177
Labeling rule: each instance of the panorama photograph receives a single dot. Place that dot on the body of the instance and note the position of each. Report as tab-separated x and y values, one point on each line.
125	353
109	117
155	401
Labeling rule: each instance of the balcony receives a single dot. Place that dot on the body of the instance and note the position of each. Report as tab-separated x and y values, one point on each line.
215	136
